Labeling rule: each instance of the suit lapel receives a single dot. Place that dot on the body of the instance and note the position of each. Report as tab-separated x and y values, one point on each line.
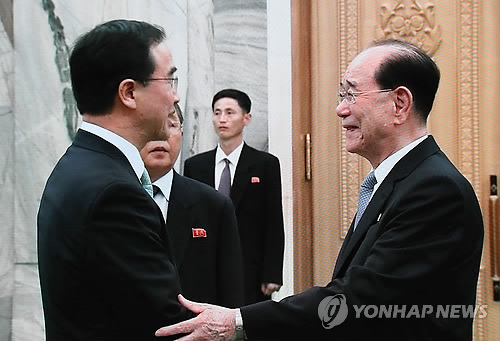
84	139
179	219
375	208
355	237
242	175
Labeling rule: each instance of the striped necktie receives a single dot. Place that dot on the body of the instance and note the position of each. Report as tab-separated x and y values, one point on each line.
365	194
146	182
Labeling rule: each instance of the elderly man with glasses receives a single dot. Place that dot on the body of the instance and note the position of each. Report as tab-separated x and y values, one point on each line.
413	251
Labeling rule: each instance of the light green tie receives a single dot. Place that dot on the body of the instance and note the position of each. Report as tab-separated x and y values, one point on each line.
146	182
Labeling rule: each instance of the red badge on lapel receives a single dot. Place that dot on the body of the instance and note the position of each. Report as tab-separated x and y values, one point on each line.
255	180
199	232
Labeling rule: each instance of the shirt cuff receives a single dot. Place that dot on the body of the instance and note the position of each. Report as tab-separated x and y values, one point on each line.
240	332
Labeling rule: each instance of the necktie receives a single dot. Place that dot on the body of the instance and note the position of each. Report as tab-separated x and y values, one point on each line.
225	180
365	193
146	182
156	190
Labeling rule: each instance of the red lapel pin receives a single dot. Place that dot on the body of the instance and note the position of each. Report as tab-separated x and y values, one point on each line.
199	232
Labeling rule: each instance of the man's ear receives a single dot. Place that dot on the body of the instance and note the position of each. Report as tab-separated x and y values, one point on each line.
248	117
403	103
126	93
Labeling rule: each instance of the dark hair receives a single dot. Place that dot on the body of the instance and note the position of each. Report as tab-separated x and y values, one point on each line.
108	54
240	97
411	67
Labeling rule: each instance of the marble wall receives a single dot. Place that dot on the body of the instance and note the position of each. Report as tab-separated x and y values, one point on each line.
215	44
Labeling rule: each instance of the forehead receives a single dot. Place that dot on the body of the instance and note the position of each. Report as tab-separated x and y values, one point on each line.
362	69
163	59
226	103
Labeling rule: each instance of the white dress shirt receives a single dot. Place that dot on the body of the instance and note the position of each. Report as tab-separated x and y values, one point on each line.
163	196
128	149
220	163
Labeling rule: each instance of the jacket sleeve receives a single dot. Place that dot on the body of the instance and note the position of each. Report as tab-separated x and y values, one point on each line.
272	271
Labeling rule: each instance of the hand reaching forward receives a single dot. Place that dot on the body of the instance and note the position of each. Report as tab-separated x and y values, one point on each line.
211	323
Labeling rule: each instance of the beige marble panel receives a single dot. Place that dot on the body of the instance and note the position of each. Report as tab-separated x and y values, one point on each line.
199	134
240	28
6	297
6	184
27	317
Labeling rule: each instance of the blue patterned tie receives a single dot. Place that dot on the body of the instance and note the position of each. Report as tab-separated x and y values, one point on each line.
146	182
365	193
225	180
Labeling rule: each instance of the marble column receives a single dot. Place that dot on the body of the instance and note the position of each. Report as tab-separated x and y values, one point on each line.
6	184
241	59
199	134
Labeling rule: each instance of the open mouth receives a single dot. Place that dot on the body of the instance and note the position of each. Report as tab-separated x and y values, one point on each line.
349	127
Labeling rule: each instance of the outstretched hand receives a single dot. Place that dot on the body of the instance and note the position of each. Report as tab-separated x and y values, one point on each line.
211	323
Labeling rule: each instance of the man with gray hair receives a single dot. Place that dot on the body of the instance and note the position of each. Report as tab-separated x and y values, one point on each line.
417	237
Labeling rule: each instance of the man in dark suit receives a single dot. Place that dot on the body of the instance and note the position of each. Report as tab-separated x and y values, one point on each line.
105	265
201	225
254	185
413	256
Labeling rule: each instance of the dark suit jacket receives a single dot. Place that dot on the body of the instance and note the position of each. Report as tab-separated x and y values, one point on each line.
104	260
256	195
419	242
210	267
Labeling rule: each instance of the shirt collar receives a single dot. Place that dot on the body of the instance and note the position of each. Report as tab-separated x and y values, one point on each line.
165	184
233	157
128	149
388	164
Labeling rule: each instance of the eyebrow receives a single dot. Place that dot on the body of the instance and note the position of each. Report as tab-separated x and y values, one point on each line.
172	70
351	84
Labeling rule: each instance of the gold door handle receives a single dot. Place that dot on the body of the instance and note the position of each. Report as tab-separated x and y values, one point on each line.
308	157
494	240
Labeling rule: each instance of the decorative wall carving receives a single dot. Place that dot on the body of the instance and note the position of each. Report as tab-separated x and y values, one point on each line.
468	116
348	18
411	21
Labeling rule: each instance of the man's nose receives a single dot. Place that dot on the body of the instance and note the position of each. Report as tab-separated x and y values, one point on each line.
342	109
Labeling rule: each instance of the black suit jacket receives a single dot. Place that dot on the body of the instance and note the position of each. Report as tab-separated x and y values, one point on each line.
256	195
419	242
104	260
210	264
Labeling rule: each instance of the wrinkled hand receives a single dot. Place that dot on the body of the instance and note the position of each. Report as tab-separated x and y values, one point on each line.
268	288
211	323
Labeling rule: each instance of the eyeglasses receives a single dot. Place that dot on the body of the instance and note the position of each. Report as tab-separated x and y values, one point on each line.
350	96
175	125
173	81
176	122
